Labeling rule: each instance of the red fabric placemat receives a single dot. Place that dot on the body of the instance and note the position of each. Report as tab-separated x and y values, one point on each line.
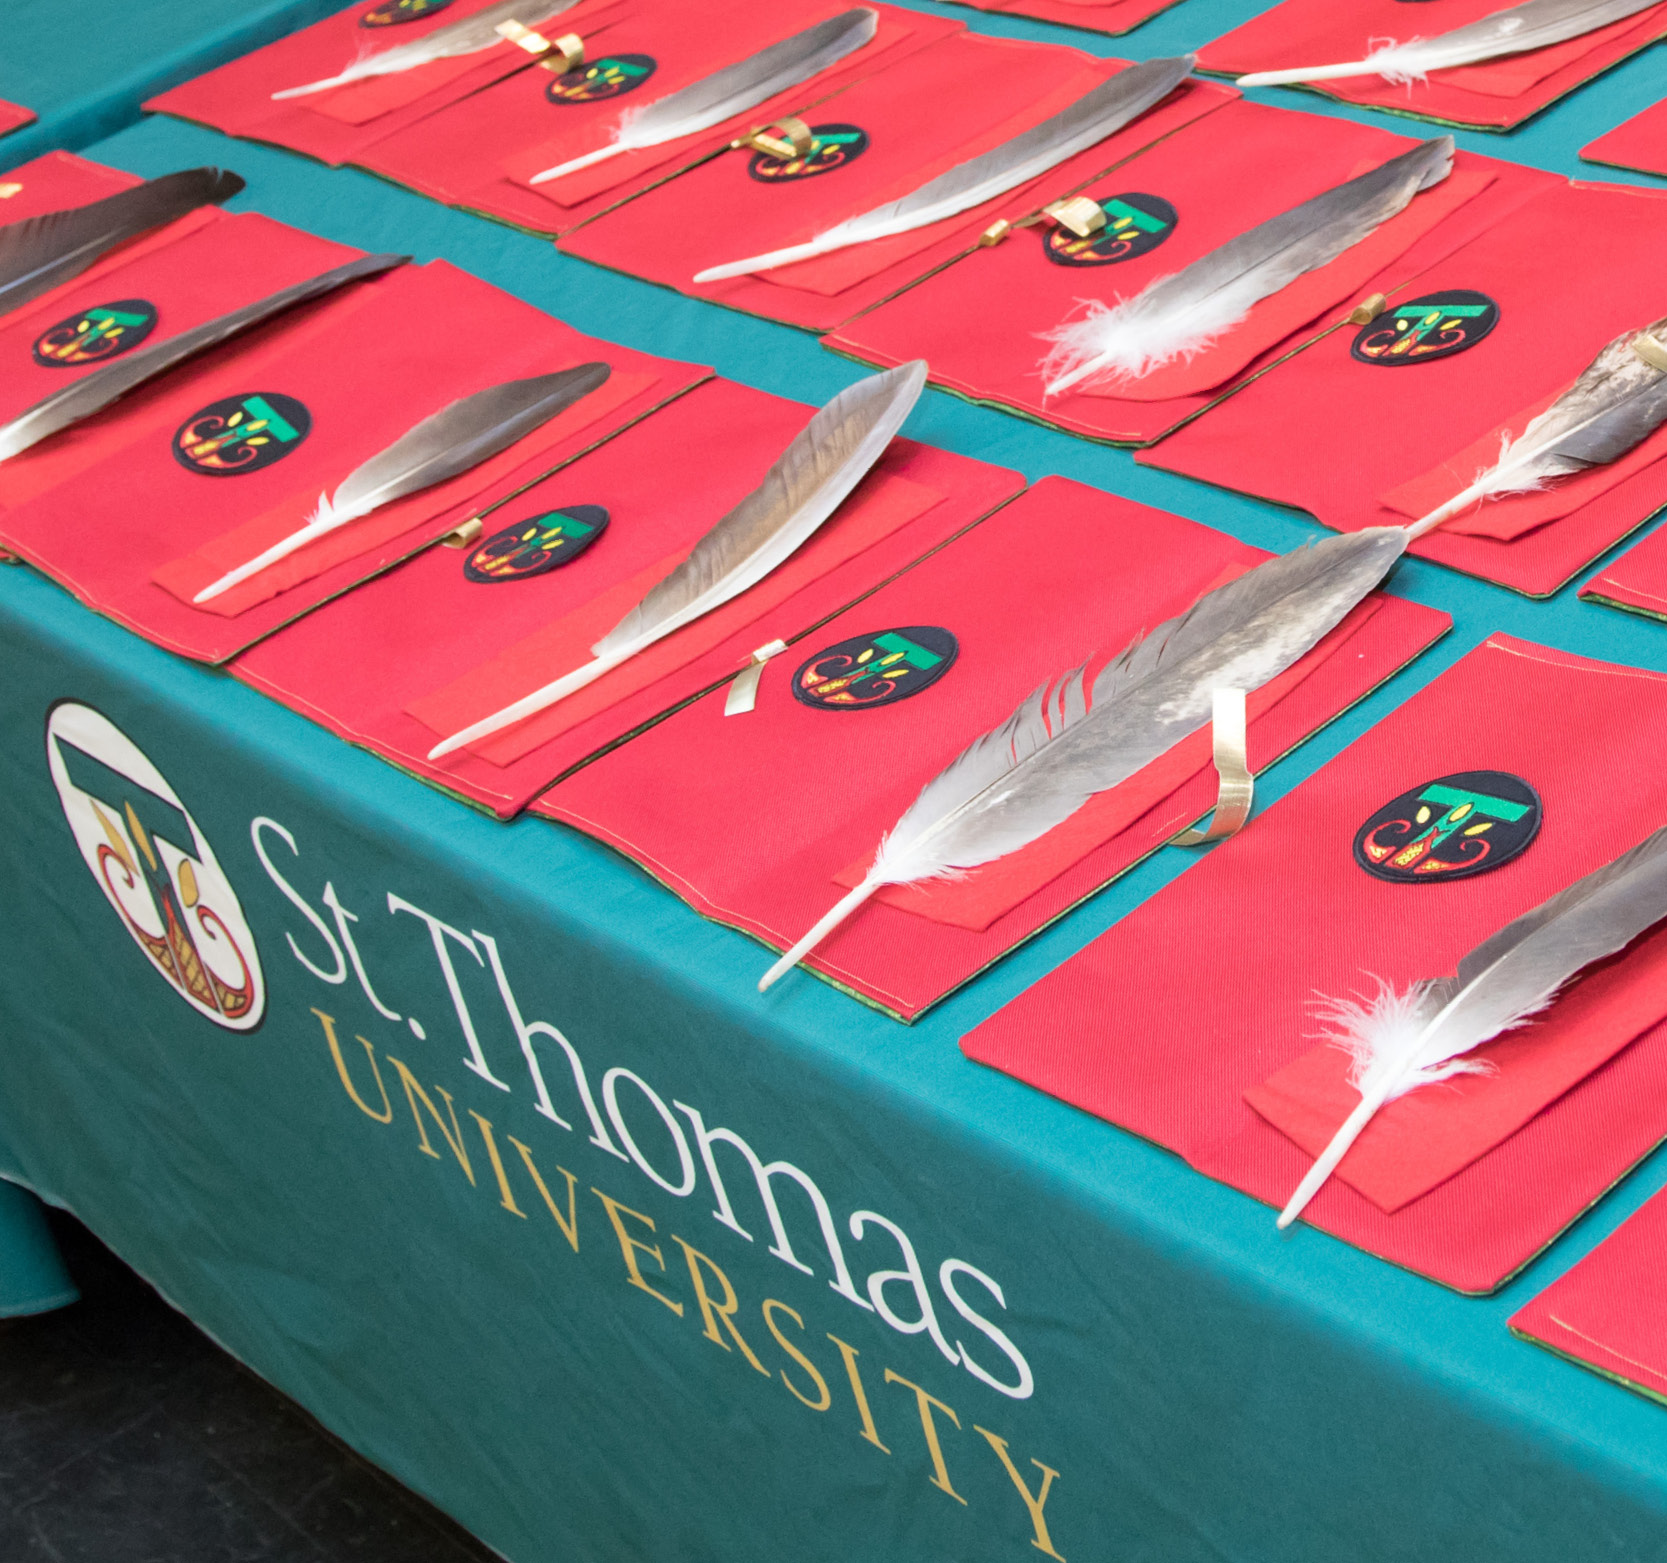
1165	1021
1637	581
481	152
340	122
719	440
984	92
751	832
1606	1313
1336	434
55	181
1640	142
1490	95
13	116
1095	16
1220	175
361	366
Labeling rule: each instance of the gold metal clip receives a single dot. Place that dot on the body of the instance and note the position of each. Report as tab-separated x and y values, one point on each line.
1652	351
465	535
1235	786
1366	311
522	37
784	138
743	689
1078	215
566	54
996	232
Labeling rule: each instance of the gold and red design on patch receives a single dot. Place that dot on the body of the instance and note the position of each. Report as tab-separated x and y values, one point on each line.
1135	225
390	13
611	76
239	434
93	335
831	147
537	545
865	671
1451	828
1421	330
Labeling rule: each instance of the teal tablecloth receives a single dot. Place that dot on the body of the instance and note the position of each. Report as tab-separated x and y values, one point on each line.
545	1369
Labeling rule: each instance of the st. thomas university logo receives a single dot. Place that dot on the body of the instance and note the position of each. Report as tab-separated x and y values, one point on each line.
156	870
1451	828
93	335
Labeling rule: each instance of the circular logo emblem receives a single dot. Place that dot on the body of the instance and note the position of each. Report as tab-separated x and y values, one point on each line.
104	331
612	76
392	12
1424	329
156	870
537	545
240	434
875	670
1450	828
832	146
1135	224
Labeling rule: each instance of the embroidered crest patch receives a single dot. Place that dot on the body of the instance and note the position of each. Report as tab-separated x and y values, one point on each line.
1450	828
239	434
875	670
1421	330
832	146
1135	225
93	335
596	81
537	545
390	13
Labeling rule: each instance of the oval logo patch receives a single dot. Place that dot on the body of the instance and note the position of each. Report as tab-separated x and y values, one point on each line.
1450	828
612	76
239	434
875	670
537	545
1135	225
154	867
392	12
1424	329
833	147
104	331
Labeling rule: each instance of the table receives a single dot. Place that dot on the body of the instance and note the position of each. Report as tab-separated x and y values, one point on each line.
626	1362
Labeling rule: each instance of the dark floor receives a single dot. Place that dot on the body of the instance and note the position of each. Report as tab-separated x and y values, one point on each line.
126	1436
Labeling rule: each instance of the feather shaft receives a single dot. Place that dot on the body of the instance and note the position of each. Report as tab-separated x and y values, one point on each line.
1404	1041
470	35
37	253
95	391
829	921
1063	745
1618	401
452	441
806	484
1182	314
1093	117
733	90
1537	24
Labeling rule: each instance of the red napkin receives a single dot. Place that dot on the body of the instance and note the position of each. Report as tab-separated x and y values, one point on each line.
55	181
1490	95
719	441
768	808
1567	271
13	116
340	122
1099	16
1220	175
1640	142
526	132
362	366
984	91
1166	1021
1637	581
1605	1313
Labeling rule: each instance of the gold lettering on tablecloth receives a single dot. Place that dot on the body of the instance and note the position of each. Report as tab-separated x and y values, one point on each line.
823	1393
711	1310
630	1247
929	1427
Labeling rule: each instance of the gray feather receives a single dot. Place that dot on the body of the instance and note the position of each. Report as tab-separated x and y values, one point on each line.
95	391
739	87
468	36
38	253
1536	25
827	459
461	436
1053	754
1180	314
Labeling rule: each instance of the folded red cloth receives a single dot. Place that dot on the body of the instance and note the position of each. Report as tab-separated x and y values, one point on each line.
1096	16
1172	1022
13	116
752	832
1494	94
1640	142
